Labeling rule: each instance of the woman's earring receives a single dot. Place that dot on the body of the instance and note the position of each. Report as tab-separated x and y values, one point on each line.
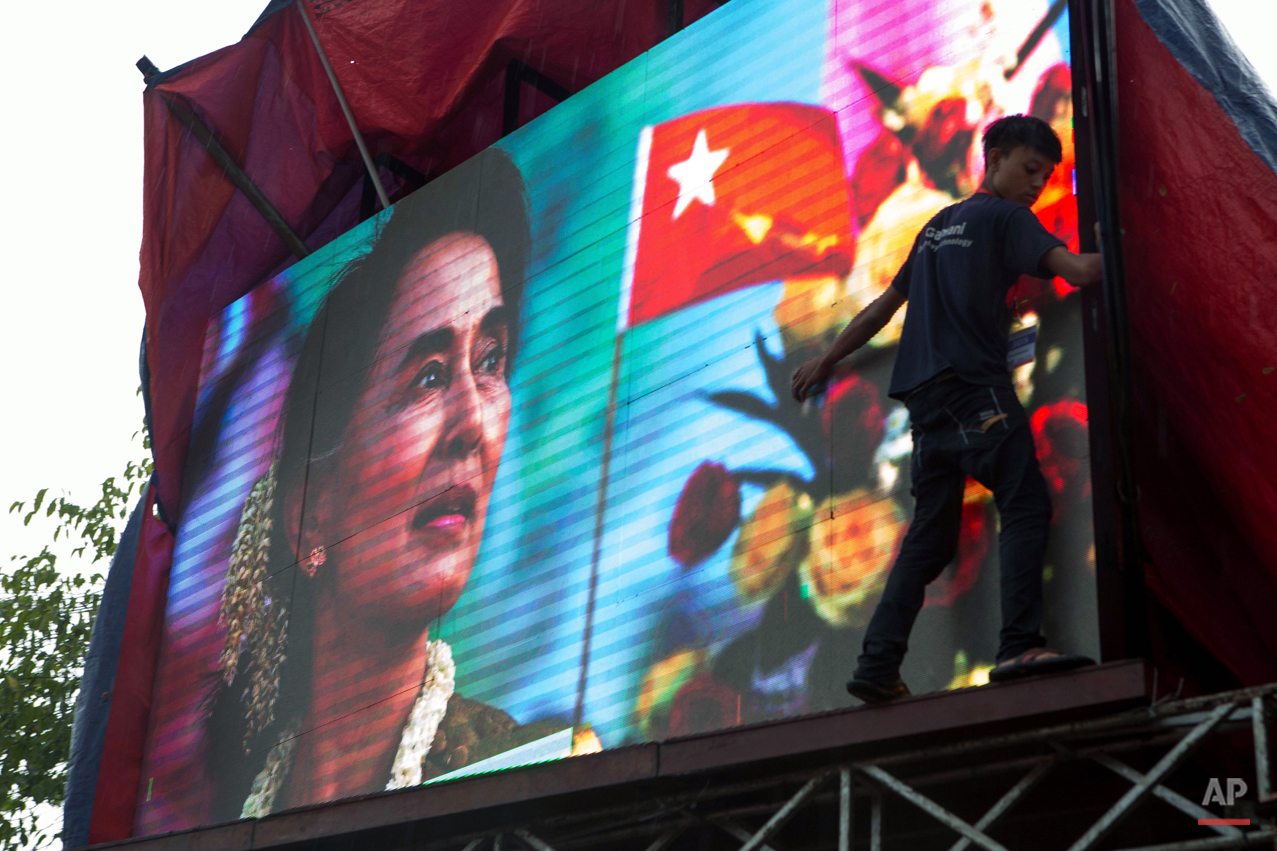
312	562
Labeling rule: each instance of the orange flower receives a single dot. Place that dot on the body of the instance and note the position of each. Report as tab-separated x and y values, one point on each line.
885	243
1056	207
967	675
771	542
851	555
660	684
1053	103
811	312
585	740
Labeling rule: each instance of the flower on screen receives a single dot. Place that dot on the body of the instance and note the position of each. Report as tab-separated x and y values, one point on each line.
1060	432
771	542
660	685
812	310
851	552
853	422
708	510
704	704
786	532
976	536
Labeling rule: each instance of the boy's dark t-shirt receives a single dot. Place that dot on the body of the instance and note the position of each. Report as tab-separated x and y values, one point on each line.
956	280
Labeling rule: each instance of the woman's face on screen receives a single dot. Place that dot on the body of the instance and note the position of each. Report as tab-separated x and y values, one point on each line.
420	453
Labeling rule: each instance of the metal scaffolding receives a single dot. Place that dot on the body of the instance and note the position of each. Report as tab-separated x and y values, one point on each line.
826	807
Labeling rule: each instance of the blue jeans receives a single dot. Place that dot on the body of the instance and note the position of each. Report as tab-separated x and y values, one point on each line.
961	430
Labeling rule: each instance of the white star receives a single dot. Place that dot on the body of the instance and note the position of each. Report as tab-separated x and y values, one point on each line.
695	175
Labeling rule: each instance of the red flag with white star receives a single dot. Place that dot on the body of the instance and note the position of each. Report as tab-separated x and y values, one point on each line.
734	196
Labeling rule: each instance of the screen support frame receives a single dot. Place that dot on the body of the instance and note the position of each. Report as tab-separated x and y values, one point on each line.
1122	596
519	72
397	167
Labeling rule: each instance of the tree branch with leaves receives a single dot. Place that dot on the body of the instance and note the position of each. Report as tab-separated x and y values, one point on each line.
47	607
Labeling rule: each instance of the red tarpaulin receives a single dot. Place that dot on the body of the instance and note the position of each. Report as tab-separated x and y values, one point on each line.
1199	211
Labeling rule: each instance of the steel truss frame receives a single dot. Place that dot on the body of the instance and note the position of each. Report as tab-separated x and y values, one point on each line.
1178	727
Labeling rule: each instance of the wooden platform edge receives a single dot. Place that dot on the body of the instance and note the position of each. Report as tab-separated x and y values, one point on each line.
844	734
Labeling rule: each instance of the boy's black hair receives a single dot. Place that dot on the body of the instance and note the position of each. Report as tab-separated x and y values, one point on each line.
1011	131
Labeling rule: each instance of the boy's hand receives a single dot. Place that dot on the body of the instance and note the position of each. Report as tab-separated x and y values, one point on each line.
1080	270
808	377
1093	268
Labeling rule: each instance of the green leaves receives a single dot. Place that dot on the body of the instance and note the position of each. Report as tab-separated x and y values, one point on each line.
45	619
46	615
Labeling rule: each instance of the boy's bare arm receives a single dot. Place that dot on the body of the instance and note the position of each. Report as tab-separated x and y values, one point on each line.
1080	270
859	331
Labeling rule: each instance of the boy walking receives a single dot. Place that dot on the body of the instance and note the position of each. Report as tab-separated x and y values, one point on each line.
951	373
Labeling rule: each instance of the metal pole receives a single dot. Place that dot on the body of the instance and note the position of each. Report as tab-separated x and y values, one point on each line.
1104	144
533	840
600	506
875	821
931	808
735	829
1007	801
666	838
241	181
673	16
345	107
783	815
513	81
1164	766
844	810
1259	728
1135	720
1175	799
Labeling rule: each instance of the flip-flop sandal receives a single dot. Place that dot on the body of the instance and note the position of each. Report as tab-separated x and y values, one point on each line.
872	692
1039	660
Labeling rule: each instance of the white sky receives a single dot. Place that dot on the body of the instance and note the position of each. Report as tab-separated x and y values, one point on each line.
1252	24
70	229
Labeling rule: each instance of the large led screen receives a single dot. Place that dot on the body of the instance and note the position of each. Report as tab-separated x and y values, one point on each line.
510	472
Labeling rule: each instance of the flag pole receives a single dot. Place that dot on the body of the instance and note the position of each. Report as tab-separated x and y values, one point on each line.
600	508
609	422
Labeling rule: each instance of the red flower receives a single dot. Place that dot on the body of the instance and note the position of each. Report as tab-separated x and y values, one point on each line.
708	510
1060	433
879	170
975	538
943	142
852	421
1054	86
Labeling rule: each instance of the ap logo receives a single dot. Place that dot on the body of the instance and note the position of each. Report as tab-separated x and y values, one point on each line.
1215	792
